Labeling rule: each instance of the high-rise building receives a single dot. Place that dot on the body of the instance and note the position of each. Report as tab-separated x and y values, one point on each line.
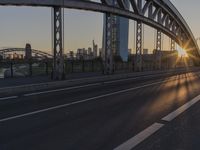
28	51
129	51
120	31
95	48
82	53
70	55
90	53
100	52
145	51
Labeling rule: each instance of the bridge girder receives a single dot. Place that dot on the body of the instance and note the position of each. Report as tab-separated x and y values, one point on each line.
139	46
58	61
161	15
40	53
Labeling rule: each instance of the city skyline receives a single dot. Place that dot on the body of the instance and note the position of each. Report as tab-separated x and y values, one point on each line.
33	25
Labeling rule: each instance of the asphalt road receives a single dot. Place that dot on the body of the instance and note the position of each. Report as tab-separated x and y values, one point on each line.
101	116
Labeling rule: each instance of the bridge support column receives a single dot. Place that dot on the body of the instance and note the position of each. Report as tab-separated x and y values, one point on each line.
173	45
58	60
139	46
158	49
108	54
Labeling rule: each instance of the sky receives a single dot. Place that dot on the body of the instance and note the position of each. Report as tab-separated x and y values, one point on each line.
21	25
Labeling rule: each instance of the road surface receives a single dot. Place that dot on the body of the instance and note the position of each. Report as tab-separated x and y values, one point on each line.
143	114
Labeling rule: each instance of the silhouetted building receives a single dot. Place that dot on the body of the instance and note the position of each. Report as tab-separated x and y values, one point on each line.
145	51
100	52
81	54
120	32
95	48
149	61
70	55
28	51
168	58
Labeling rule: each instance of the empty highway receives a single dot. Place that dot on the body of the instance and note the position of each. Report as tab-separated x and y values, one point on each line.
123	114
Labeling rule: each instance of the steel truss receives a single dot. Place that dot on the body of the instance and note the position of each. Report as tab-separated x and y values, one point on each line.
108	57
158	49
173	45
58	61
139	46
161	15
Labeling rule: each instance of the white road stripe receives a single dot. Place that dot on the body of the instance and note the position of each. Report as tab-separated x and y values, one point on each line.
120	80
88	85
138	77
6	98
77	87
77	102
131	143
59	90
181	109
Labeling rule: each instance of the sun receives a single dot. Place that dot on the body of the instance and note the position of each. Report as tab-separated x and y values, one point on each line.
182	52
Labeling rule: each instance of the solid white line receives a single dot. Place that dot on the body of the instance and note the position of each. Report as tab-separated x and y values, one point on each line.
77	87
6	98
181	109
46	83
107	82
131	143
77	102
88	85
59	90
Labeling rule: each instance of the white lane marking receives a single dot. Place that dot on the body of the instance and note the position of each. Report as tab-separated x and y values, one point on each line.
134	141
107	82
88	85
72	80
6	98
138	77
58	90
77	87
181	109
77	102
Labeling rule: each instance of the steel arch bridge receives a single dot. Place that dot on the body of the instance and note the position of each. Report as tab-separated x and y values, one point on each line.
36	52
159	14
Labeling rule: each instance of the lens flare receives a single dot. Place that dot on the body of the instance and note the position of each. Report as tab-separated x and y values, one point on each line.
182	52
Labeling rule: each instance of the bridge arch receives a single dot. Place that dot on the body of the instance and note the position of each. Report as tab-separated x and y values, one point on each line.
159	14
34	51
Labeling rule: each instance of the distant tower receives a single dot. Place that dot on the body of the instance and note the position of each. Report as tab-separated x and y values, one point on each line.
145	51
120	33
95	48
28	51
